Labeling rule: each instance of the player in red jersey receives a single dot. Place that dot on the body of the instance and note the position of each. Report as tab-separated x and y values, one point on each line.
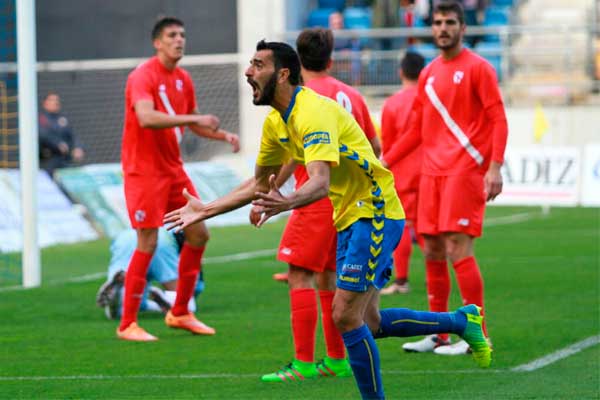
395	120
461	123
159	103
308	244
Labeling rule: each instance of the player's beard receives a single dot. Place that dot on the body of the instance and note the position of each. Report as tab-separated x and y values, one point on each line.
268	92
454	41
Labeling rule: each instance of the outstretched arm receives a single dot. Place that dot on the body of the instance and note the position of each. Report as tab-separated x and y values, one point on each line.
219	134
273	203
149	117
195	211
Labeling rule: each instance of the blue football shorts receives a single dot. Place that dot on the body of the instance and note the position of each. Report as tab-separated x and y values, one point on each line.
364	253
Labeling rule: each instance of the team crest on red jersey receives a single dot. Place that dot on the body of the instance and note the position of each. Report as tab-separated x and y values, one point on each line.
458	76
140	215
179	85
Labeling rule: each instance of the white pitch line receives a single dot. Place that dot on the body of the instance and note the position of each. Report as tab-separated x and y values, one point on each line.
208	260
511	219
240	256
222	376
557	355
532	366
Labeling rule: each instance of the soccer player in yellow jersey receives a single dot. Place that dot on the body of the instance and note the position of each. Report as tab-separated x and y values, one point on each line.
322	135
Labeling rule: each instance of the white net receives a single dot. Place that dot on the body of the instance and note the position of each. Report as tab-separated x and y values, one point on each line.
92	94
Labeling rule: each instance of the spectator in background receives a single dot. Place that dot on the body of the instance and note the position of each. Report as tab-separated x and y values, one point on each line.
474	11
58	145
407	16
474	16
396	118
348	50
336	23
386	15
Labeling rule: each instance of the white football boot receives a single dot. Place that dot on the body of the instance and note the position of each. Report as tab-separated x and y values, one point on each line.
456	349
427	344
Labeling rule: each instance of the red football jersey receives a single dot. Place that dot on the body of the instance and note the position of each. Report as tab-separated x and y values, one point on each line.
155	151
395	121
353	102
459	116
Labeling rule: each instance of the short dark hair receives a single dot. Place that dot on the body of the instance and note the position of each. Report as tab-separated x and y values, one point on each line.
450	6
411	65
314	48
284	56
162	23
51	93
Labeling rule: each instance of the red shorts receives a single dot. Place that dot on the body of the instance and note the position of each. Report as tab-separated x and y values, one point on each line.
149	198
451	204
309	240
409	203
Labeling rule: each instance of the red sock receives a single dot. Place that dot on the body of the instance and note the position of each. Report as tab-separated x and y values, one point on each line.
438	287
303	305
135	282
333	339
402	255
470	283
189	268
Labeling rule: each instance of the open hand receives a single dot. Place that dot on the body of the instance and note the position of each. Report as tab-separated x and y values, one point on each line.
270	204
185	216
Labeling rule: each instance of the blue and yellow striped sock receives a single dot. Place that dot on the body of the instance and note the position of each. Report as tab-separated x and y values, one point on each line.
364	360
403	322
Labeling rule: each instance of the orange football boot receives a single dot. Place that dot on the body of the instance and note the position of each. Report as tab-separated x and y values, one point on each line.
281	277
188	322
135	333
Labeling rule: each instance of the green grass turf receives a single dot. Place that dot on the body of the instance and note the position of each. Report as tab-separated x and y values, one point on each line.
542	293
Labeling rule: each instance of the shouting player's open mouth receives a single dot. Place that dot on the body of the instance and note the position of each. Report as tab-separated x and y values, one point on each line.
255	89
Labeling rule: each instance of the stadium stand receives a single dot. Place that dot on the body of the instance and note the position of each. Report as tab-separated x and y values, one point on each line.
319	17
358	18
335	4
541	68
491	51
496	16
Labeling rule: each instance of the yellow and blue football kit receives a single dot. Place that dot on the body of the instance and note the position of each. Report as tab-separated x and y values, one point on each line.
316	128
369	219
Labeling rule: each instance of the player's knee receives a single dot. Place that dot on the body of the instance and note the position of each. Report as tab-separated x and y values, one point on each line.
458	247
344	319
147	241
197	238
300	278
434	248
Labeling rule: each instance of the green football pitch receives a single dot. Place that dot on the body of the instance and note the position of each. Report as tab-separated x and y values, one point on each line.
542	291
